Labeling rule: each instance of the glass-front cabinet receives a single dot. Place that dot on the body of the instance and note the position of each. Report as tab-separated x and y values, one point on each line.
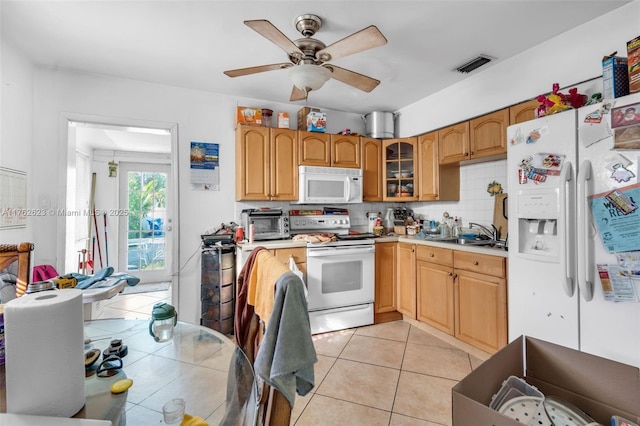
399	172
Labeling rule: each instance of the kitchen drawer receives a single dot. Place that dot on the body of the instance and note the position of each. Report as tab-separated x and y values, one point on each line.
299	254
437	255
480	263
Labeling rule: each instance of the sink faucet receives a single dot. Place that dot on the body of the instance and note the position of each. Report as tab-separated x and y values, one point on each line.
491	233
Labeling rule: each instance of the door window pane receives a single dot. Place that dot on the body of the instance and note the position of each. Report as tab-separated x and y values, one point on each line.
146	220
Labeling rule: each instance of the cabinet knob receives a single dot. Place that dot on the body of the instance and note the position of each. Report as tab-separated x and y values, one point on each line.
450	274
466	154
432	255
475	262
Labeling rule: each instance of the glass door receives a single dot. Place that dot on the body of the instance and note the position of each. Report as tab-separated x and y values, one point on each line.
398	170
144	249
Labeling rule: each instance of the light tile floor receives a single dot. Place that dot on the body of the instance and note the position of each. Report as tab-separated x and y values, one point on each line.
394	373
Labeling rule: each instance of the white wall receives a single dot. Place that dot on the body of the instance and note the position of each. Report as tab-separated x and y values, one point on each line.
570	58
16	152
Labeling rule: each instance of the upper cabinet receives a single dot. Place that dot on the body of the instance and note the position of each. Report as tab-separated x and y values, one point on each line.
315	149
371	154
453	143
488	134
345	151
266	164
436	182
482	137
523	111
399	170
322	149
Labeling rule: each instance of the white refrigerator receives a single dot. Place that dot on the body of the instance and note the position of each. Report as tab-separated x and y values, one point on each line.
566	174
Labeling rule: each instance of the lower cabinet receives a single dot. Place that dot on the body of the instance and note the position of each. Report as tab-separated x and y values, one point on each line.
299	256
406	290
460	293
481	300
435	288
385	290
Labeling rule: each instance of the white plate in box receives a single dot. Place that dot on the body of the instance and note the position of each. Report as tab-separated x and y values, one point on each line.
563	413
525	409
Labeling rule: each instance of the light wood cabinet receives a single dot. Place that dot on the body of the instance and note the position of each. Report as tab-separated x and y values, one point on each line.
399	171
483	137
481	300
326	150
461	293
453	143
435	288
488	135
371	169
266	164
406	282
385	293
523	111
299	256
345	151
436	182
315	149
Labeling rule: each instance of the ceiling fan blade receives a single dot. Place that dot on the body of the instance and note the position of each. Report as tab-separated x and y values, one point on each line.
269	31
298	94
254	70
364	39
352	78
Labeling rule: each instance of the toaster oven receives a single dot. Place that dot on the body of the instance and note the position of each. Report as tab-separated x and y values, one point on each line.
269	224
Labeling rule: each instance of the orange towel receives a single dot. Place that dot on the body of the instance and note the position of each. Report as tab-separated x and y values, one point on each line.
262	283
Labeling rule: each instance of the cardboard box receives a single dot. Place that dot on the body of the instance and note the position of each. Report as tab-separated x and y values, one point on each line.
615	77
302	117
599	387
316	122
246	115
283	120
633	64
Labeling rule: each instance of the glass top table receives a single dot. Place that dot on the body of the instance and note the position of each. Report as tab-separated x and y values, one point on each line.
200	365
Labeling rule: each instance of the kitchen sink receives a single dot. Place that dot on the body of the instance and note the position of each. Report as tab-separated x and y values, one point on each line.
473	242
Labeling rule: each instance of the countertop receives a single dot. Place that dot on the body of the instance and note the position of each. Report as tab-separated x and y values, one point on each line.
277	244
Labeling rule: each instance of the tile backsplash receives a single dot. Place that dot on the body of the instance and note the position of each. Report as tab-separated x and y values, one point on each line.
475	205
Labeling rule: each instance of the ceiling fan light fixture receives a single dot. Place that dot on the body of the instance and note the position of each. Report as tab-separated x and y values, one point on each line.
308	76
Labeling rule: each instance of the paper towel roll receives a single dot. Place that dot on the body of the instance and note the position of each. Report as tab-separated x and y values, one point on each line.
44	340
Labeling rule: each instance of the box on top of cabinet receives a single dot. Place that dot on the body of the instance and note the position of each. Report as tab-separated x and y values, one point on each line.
615	78
600	387
633	64
246	115
302	116
316	121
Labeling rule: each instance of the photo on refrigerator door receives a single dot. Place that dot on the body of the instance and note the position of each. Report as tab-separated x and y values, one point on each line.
626	124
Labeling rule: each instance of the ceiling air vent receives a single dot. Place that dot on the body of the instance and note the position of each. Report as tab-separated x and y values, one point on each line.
474	63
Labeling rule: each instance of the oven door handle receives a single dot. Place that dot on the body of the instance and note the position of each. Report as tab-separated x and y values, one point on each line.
338	251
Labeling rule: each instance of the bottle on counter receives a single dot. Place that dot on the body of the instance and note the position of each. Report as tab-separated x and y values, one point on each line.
239	233
388	220
455	229
252	232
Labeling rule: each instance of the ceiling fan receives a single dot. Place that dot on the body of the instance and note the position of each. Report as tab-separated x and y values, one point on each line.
307	68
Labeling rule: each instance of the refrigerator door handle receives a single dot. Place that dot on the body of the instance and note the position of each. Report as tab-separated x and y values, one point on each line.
566	177
583	250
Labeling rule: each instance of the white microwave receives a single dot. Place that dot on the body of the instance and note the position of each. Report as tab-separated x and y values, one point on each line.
329	185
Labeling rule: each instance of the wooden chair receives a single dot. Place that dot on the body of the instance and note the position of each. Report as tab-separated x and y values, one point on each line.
21	253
